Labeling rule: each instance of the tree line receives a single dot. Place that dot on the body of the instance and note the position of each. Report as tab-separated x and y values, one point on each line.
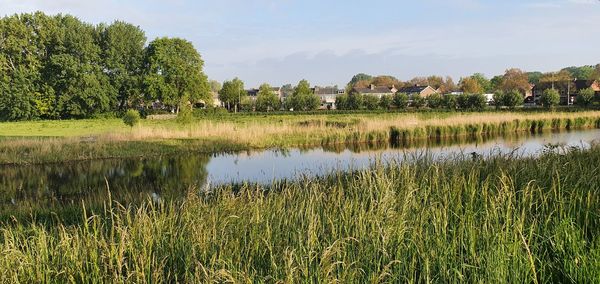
57	67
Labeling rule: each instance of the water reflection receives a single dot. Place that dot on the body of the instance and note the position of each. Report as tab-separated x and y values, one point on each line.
42	189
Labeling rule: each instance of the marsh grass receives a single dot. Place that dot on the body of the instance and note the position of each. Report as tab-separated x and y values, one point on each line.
503	219
259	132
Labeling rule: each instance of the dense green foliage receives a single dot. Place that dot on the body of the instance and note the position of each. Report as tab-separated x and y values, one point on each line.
267	100
232	93
131	118
585	97
550	98
498	220
60	67
303	98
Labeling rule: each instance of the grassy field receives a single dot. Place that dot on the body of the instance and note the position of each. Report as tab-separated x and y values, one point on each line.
502	220
56	141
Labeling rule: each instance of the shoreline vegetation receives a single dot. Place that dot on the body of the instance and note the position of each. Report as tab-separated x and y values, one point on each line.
41	142
505	219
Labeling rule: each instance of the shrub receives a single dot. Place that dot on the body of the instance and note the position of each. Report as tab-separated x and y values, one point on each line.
385	102
450	102
477	101
434	100
401	100
550	98
512	99
417	101
185	115
585	97
341	102
371	102
463	102
131	118
498	99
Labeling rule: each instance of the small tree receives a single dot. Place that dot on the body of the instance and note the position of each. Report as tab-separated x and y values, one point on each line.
385	102
463	102
450	102
435	100
550	98
417	101
585	97
355	101
131	118
266	100
477	101
341	102
512	99
401	100
498	99
371	102
185	115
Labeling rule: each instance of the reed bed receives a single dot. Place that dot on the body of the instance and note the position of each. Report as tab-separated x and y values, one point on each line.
157	138
502	219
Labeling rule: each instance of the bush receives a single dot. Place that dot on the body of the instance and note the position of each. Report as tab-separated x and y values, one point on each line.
371	102
450	102
498	99
417	101
131	118
585	97
463	102
401	100
477	101
385	102
435	101
185	115
550	98
341	102
513	99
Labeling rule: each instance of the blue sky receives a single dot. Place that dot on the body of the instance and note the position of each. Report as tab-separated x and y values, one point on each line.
328	41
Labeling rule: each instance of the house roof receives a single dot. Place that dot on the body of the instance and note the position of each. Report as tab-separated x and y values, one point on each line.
374	90
413	89
326	91
584	84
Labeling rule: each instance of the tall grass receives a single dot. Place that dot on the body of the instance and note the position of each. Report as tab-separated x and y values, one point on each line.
498	220
256	132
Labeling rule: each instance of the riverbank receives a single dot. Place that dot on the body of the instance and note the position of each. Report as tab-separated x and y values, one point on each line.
502	220
60	141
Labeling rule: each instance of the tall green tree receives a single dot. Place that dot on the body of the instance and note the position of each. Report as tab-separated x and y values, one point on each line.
173	72
303	98
123	54
232	93
267	100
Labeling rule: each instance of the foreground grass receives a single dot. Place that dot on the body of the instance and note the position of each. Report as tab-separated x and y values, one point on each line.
500	220
59	141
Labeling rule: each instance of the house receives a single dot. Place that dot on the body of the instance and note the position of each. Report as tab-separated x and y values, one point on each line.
584	84
423	91
253	93
378	92
571	91
328	96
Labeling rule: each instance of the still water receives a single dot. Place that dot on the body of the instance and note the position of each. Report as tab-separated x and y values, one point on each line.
43	187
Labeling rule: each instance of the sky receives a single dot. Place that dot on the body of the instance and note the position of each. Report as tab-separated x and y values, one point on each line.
328	41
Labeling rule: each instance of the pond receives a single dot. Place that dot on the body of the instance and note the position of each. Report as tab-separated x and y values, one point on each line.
43	189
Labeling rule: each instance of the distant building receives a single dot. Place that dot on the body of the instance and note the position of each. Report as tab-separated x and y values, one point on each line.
423	91
328	96
253	93
571	91
378	92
